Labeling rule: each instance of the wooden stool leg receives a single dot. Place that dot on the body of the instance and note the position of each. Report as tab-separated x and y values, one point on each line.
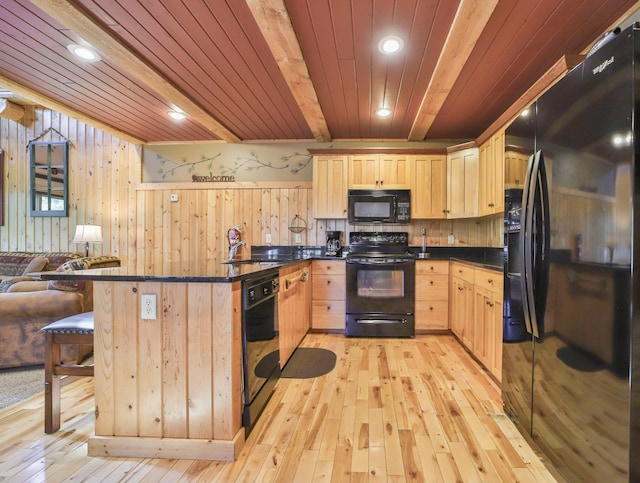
51	385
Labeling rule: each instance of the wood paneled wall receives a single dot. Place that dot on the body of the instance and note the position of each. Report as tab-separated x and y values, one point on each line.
143	226
102	186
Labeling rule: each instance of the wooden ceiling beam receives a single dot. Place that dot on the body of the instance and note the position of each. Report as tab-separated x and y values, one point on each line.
76	20
12	111
54	105
470	20
274	22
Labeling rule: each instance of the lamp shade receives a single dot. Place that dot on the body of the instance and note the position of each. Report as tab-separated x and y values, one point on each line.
88	234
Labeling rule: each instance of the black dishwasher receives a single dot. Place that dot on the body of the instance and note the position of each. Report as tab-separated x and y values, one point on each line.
260	343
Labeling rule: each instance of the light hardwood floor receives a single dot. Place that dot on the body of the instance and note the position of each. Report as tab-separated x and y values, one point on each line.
393	410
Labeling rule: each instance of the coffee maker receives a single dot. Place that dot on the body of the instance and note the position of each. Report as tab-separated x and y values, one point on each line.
334	249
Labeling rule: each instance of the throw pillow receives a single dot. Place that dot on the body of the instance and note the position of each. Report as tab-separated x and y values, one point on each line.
35	265
69	285
6	284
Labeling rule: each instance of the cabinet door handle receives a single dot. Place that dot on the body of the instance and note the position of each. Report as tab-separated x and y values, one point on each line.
303	276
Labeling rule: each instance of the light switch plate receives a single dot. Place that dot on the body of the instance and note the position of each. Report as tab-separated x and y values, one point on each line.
451	240
174	197
298	238
267	238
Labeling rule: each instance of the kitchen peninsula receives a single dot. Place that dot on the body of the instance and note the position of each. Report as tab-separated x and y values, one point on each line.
169	387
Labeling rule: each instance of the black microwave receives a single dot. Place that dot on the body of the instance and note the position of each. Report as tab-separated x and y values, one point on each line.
379	207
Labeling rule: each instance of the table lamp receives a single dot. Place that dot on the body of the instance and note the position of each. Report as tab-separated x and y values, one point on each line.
88	234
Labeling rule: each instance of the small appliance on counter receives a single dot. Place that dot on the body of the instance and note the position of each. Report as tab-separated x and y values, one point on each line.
334	248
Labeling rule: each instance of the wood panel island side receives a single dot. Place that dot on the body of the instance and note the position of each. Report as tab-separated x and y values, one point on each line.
169	387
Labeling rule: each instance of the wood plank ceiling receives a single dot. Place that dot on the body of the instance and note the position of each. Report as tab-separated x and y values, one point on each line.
260	70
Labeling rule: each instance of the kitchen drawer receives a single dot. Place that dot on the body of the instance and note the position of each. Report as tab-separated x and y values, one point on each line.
328	314
432	315
432	287
489	279
424	267
463	271
328	287
329	267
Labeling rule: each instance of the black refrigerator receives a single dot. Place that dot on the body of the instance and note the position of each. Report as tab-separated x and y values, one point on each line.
572	381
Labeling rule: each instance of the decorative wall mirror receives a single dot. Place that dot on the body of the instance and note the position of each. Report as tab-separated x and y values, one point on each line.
48	170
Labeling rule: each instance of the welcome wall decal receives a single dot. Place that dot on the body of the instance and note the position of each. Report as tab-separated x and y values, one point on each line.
226	163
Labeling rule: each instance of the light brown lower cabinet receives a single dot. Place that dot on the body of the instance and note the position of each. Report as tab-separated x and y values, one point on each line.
432	295
293	307
461	302
328	309
476	313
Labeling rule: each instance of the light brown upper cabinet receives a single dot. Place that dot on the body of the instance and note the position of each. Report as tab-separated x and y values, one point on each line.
429	187
515	166
462	182
380	171
491	154
330	186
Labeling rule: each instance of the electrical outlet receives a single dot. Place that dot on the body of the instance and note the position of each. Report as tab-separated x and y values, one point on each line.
298	238
451	240
174	198
267	238
148	306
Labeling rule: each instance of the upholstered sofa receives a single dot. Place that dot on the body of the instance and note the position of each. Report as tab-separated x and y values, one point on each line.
28	304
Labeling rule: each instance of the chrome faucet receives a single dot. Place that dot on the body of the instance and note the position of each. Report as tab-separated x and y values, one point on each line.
233	249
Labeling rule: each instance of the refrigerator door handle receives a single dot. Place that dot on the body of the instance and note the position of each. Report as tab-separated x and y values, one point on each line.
525	242
534	246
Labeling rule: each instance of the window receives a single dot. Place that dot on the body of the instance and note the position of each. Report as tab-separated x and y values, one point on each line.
49	166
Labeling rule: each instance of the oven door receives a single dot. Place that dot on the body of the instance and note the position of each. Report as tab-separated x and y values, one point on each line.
380	297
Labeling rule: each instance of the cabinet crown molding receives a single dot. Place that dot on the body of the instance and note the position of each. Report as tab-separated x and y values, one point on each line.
461	147
360	151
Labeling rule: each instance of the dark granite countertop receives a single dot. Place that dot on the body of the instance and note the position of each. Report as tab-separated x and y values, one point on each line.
208	272
262	260
480	264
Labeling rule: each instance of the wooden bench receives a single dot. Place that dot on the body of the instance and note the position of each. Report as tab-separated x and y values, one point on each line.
76	329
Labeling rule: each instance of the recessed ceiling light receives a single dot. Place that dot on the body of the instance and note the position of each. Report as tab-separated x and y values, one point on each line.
83	52
177	115
383	112
390	44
